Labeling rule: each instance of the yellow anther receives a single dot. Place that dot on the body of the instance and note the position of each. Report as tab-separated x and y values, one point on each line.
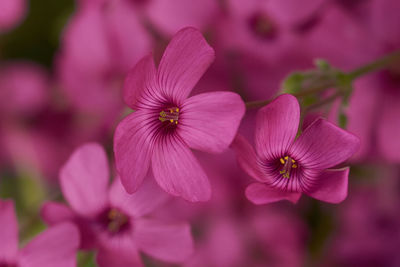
286	158
176	122
171	111
293	161
177	109
171	120
294	166
282	161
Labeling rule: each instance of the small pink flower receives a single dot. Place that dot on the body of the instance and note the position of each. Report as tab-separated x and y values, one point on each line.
56	246
11	13
166	123
285	167
111	220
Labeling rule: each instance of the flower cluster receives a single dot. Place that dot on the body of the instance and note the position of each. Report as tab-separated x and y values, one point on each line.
165	126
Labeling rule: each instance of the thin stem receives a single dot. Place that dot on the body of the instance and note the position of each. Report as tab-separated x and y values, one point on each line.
376	65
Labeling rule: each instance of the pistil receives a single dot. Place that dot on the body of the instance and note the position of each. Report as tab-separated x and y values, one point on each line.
288	164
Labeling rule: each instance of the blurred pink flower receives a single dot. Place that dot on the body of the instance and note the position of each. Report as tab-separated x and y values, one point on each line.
102	41
56	246
286	167
24	89
111	220
11	13
166	123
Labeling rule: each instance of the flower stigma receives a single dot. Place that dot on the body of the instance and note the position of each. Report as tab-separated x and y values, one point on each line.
288	164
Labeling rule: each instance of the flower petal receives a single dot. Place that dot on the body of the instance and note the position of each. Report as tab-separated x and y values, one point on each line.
133	140
53	213
323	145
209	121
262	194
84	180
168	242
107	258
247	158
185	60
178	172
332	186
139	83
276	127
8	231
148	197
57	246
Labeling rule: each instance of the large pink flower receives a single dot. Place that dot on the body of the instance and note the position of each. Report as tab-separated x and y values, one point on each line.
285	167
56	246
111	220
166	123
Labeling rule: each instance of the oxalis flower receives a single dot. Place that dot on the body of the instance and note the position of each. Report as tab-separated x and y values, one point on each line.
166	123
56	246
284	167
110	220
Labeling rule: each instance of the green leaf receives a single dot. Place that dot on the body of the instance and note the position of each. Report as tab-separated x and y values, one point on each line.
293	82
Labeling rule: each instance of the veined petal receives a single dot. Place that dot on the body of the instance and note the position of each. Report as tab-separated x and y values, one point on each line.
324	145
247	158
276	127
148	197
57	246
209	121
8	231
108	258
168	242
139	87
178	172
133	140
262	194
331	186
53	213
84	180
185	60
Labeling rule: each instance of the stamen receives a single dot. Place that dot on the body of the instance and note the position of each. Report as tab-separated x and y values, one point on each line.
117	220
288	164
170	115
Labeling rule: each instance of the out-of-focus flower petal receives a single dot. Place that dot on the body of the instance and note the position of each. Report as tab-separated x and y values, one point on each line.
11	12
8	231
108	258
169	242
262	194
56	246
53	213
84	180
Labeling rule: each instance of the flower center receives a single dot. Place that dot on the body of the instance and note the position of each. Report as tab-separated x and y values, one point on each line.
262	26
169	115
288	164
116	221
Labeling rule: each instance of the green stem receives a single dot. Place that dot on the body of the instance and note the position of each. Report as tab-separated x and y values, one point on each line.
376	65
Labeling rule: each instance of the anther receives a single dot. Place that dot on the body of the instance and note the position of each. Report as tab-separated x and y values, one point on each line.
170	115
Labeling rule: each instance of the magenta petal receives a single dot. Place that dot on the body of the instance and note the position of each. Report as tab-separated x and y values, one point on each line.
209	121
139	82
332	186
84	180
133	140
57	246
262	194
8	231
53	213
108	258
185	60
178	172
385	20
324	145
247	158
11	12
147	198
276	127
168	242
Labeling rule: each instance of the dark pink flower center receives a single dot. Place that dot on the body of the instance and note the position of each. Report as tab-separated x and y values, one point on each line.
287	165
169	115
262	26
115	221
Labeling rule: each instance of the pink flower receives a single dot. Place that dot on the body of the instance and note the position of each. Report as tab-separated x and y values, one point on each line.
56	246
166	123
285	167
11	13
111	220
